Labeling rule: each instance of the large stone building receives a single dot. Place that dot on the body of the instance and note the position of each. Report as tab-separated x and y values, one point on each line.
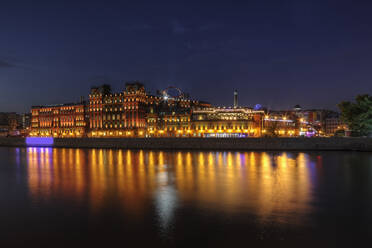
64	120
226	122
134	112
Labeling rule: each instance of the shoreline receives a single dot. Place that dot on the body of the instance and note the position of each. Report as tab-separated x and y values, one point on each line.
254	144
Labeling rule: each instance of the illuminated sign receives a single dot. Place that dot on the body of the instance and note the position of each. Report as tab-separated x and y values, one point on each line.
39	141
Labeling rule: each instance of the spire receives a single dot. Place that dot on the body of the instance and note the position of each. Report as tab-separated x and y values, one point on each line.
235	98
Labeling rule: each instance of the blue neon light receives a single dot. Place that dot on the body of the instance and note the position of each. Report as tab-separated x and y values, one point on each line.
39	141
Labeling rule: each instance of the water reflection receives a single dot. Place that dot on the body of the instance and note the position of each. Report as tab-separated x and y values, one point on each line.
268	185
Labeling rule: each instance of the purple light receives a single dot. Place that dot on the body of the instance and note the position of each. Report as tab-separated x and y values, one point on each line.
310	133
39	141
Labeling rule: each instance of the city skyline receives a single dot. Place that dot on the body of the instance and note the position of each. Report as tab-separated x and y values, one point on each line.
275	54
185	123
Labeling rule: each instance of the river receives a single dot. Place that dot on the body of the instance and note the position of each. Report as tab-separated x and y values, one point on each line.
54	197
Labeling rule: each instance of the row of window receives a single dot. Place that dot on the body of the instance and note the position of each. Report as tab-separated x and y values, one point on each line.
130	125
61	124
221	127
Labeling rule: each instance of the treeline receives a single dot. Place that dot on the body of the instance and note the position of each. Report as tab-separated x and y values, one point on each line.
358	115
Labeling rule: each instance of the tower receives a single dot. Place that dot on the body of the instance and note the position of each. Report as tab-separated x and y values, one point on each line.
235	98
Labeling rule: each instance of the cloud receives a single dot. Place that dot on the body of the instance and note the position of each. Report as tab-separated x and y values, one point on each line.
5	64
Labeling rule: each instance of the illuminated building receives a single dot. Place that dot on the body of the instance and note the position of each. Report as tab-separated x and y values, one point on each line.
169	119
299	122
321	121
135	113
227	122
65	120
117	114
170	115
96	106
282	123
135	106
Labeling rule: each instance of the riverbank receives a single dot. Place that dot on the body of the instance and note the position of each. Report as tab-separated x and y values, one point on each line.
293	144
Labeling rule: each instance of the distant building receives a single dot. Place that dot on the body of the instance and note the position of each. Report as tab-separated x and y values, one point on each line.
9	123
333	123
297	108
300	122
282	123
25	121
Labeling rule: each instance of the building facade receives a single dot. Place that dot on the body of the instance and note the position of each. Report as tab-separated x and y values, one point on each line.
282	123
333	123
226	122
10	124
65	120
134	112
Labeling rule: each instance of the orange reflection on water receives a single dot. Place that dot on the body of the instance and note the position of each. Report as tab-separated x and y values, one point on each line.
265	184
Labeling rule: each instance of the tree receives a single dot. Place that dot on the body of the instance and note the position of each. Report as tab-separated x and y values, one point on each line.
272	129
358	115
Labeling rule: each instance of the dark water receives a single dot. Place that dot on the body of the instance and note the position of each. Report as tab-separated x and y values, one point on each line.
127	198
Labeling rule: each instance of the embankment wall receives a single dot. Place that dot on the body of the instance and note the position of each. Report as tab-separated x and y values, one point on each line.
316	144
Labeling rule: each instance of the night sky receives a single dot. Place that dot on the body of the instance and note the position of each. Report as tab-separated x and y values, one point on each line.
276	53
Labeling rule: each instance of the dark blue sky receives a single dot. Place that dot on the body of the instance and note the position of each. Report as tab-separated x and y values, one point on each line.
276	53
